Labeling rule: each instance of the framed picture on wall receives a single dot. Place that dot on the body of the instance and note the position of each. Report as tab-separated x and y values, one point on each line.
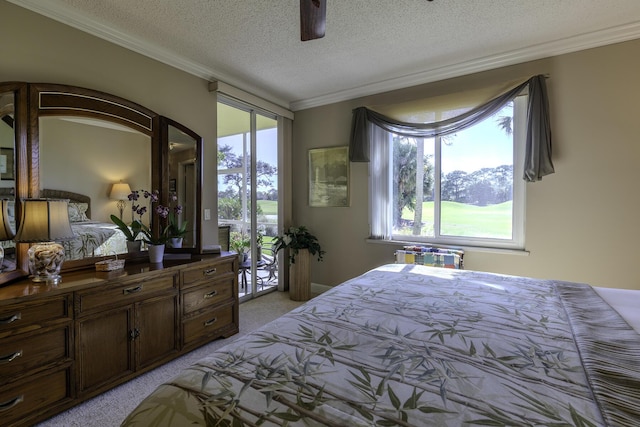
6	164
329	177
172	185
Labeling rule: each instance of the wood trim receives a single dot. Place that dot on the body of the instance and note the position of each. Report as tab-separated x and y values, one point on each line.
56	100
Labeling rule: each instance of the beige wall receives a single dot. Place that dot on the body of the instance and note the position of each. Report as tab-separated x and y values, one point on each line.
581	222
100	158
38	49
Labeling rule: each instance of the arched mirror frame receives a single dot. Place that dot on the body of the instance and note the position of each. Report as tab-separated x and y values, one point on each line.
34	100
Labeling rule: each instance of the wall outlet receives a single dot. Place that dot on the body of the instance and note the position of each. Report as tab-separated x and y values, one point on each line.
207	214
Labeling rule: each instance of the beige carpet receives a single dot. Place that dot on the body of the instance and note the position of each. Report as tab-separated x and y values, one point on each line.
111	408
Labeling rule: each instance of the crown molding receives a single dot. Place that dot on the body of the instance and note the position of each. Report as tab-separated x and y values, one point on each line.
70	17
594	39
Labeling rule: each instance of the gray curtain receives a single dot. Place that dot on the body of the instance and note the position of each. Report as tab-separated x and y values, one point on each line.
538	142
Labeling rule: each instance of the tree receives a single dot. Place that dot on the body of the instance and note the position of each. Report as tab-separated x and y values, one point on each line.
405	166
506	122
454	186
230	200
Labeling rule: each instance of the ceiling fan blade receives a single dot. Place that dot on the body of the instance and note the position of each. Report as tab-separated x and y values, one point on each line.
313	17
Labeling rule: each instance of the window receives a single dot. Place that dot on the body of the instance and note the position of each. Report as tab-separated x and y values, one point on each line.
461	189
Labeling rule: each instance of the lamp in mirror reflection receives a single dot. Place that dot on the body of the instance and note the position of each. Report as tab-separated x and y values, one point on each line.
45	222
6	231
120	192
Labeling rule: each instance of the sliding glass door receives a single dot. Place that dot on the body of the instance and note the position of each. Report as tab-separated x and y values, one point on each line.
248	191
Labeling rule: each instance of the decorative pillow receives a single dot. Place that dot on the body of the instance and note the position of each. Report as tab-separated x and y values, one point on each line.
78	212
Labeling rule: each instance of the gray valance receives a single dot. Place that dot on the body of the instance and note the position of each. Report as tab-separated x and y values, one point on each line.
538	142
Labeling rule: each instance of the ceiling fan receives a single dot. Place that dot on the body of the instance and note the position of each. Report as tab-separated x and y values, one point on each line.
313	17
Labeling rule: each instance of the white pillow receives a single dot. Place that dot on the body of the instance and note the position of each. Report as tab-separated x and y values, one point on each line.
78	212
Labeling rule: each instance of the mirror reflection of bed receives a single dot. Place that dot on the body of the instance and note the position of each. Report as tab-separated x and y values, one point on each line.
93	237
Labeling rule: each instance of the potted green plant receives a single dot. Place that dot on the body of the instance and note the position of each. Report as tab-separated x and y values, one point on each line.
240	243
131	233
176	230
155	240
295	239
259	243
301	245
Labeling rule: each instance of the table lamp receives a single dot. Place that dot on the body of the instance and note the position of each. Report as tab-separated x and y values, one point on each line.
45	222
6	232
120	192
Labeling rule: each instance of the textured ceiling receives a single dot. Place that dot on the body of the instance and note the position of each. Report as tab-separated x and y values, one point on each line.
370	45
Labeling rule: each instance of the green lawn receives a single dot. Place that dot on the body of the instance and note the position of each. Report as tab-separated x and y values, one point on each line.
269	207
459	219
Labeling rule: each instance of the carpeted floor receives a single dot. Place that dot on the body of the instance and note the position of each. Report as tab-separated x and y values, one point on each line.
110	408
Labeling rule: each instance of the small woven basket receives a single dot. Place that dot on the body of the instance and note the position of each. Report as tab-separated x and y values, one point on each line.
110	264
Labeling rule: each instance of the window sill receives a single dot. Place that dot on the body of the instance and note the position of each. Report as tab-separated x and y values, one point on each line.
506	251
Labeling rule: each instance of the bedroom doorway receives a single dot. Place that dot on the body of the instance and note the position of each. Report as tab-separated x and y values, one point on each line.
248	192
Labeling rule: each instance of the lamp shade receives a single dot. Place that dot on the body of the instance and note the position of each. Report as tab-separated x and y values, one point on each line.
120	191
6	232
44	220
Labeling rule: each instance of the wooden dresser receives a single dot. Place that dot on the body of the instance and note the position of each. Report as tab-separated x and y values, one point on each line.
60	345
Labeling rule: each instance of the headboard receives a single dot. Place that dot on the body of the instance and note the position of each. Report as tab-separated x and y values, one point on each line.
9	193
62	194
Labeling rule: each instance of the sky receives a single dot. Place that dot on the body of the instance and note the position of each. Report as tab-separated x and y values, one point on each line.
482	146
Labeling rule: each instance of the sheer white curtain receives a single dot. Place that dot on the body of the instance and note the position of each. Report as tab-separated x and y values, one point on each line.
380	203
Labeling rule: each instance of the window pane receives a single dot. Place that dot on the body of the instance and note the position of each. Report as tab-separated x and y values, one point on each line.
413	177
477	179
233	181
267	178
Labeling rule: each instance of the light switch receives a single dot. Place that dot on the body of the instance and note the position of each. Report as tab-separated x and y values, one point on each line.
207	214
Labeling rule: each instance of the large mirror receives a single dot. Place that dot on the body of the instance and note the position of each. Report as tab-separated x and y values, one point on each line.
185	180
83	145
93	158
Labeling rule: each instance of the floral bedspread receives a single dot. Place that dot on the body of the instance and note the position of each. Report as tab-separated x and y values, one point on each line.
408	345
94	239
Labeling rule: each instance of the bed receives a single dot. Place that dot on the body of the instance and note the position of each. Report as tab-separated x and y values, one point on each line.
93	238
411	345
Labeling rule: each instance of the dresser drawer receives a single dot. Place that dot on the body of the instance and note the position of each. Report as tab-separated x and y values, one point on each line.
123	293
202	274
23	353
207	324
36	395
206	296
32	315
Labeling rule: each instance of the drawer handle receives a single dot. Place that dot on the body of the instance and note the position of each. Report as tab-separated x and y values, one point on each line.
11	319
209	272
10	357
5	406
132	290
210	322
133	334
211	294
